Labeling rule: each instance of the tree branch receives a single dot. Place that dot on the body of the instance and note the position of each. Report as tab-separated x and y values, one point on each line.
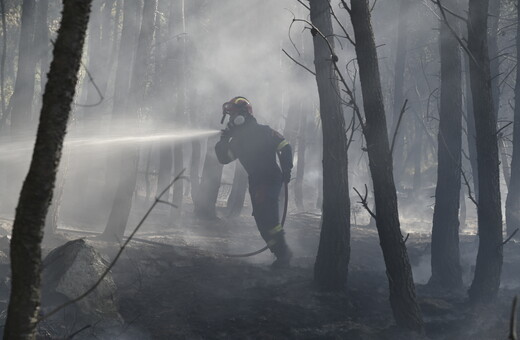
107	270
298	63
403	109
364	202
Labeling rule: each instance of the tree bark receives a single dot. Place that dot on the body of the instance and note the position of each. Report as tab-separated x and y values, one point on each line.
489	258
402	290
445	260
513	194
37	189
237	196
331	267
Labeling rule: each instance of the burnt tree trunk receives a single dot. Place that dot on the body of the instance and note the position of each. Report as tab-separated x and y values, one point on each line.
300	164
21	102
399	72
445	260
37	189
237	196
470	131
402	290
129	157
489	258
206	198
513	194
331	267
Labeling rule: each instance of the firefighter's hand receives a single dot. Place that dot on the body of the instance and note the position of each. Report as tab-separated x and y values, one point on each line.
286	176
225	135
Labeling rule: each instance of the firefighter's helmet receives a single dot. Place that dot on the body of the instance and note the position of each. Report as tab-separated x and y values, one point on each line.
237	105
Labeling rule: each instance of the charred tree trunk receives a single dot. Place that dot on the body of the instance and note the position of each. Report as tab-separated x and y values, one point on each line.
21	102
41	38
513	194
237	196
331	267
129	157
402	290
206	199
489	258
470	130
445	261
400	63
37	189
300	165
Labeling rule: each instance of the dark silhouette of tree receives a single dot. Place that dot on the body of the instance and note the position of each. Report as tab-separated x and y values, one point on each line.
513	194
21	103
206	198
402	290
129	156
37	189
331	267
446	269
237	196
489	258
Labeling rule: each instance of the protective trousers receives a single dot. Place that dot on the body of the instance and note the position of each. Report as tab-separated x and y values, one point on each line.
264	198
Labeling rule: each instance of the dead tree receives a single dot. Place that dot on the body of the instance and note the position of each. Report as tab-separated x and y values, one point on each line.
300	166
237	196
21	103
445	261
402	290
489	258
331	267
513	194
206	198
37	189
129	157
400	63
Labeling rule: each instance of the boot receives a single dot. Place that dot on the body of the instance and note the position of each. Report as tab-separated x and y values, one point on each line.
283	254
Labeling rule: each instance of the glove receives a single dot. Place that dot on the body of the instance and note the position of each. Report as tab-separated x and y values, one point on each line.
225	134
286	176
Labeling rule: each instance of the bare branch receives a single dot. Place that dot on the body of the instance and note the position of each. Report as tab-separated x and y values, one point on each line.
364	202
470	195
298	63
347	36
403	109
111	265
510	236
304	5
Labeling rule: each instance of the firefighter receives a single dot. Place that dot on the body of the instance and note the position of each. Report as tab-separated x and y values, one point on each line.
256	147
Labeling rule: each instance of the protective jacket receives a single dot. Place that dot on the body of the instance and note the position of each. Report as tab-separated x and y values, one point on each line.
255	146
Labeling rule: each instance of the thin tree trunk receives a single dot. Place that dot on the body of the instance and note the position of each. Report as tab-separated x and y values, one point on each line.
42	41
300	165
206	199
402	290
129	158
400	63
489	258
2	62
471	130
331	267
513	194
22	99
445	261
237	196
37	189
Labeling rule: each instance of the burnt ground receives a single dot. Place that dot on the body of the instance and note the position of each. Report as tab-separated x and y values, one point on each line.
174	283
